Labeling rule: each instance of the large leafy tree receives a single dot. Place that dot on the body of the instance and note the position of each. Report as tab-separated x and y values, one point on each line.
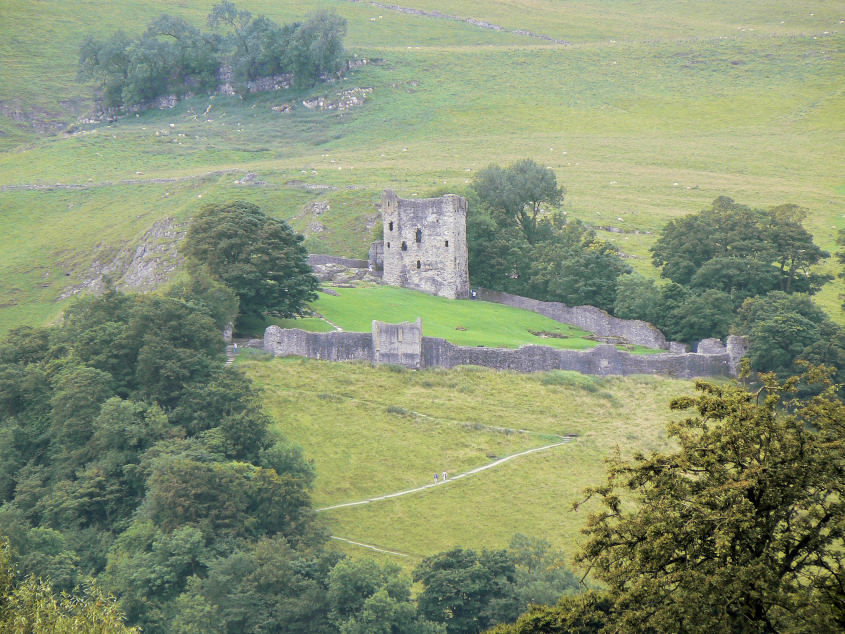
517	192
740	250
467	591
741	529
576	268
259	257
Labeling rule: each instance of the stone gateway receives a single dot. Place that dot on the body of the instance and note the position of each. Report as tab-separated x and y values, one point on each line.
425	244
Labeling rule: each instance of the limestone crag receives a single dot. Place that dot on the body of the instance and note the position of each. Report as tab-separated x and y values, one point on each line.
143	267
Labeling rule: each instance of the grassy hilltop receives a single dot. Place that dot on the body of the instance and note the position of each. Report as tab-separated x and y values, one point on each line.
648	112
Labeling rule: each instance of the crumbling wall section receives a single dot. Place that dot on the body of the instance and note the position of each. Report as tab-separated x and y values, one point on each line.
403	344
327	346
588	318
398	344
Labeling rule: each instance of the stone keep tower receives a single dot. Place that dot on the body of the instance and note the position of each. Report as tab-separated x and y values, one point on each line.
425	244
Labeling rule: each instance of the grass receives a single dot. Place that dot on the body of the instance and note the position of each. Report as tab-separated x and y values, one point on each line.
651	113
373	431
463	322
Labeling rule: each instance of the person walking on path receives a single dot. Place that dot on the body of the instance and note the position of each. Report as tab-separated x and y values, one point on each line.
444	476
435	478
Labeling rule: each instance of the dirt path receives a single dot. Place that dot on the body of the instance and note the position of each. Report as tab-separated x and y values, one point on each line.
491	465
370	546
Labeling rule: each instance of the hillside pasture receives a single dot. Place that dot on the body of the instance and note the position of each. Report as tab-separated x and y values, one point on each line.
373	431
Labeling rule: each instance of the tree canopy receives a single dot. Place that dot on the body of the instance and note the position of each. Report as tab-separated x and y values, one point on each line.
740	250
174	57
258	257
518	191
741	529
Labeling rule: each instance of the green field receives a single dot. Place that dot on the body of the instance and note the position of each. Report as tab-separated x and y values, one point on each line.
463	322
650	112
372	431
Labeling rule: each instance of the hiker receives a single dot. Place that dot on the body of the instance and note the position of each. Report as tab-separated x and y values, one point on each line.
444	476
435	478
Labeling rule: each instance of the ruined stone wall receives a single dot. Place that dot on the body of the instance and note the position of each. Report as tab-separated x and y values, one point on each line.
604	359
318	259
398	344
328	346
589	318
425	244
376	256
403	344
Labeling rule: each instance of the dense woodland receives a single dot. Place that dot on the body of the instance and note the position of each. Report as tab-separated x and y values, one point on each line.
172	57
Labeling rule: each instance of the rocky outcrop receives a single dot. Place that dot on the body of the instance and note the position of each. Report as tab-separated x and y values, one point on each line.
150	263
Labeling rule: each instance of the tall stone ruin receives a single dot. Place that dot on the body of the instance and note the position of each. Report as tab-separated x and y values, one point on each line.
425	244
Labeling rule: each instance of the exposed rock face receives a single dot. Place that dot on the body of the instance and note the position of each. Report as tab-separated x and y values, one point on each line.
425	244
143	267
329	268
345	100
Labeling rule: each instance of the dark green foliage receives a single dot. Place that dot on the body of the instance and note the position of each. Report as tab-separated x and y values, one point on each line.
585	613
512	249
259	257
785	328
515	193
174	57
698	316
315	49
741	251
365	597
741	529
135	457
575	268
467	591
724	256
203	293
637	297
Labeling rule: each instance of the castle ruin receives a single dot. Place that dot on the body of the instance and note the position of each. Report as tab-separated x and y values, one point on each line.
425	244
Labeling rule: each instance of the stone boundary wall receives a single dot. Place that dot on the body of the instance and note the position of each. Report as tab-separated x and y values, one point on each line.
318	259
588	318
435	352
327	346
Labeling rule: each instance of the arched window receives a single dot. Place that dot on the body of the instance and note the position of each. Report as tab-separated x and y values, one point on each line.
388	245
390	226
404	246
447	243
419	235
419	264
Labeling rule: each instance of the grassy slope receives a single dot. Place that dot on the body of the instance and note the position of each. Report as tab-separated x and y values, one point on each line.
373	431
653	111
480	323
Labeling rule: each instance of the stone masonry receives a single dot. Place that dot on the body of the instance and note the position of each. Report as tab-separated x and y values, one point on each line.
425	244
403	344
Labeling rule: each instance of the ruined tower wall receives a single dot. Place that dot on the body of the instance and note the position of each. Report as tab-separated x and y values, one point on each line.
425	244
